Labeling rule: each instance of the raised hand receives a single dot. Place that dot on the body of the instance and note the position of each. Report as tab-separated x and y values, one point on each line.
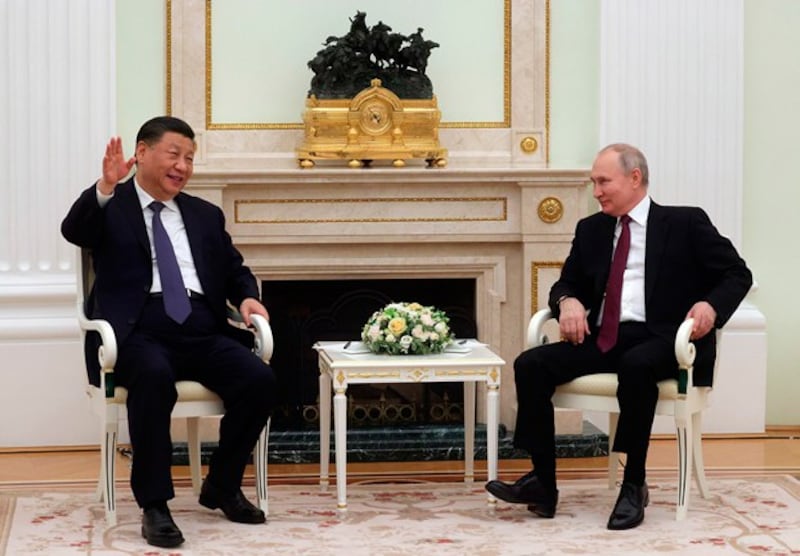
115	167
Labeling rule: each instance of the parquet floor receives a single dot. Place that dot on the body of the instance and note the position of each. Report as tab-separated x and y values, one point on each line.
778	451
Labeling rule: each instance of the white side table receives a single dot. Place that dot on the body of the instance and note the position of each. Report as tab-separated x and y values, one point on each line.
469	363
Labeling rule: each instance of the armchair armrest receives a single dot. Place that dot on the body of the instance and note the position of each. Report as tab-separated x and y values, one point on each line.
684	348
107	352
536	336
684	353
263	341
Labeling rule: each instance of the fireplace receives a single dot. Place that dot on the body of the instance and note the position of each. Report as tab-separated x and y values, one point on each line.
303	312
344	239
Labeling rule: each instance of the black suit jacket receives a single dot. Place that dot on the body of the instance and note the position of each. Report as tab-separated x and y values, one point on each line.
117	238
686	260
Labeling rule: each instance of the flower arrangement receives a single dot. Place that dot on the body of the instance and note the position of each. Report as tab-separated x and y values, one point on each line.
407	328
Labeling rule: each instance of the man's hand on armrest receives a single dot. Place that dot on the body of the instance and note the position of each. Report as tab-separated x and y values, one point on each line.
704	316
252	306
572	321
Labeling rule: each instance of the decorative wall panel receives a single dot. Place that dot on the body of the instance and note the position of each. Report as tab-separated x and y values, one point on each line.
671	83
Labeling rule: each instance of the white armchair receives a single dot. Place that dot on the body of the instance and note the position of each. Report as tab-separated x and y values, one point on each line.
107	401
678	398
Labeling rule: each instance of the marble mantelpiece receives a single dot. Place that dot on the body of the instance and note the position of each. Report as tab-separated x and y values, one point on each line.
507	228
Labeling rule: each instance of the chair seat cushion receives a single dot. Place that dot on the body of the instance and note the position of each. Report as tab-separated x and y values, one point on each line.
188	391
605	384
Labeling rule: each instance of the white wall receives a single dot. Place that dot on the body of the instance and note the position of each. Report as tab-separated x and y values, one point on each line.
58	83
771	192
59	145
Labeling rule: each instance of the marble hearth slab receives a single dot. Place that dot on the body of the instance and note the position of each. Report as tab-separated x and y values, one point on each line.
409	443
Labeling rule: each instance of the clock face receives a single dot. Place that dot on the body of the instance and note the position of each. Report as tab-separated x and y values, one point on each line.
376	118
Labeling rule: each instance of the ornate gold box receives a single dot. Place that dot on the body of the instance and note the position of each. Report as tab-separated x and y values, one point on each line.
374	125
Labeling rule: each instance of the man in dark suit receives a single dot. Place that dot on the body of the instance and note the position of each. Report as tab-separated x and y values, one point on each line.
678	266
165	269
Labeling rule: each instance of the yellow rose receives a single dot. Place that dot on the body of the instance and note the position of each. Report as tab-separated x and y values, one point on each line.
397	326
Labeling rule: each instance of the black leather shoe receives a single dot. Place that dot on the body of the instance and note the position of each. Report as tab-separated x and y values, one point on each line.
159	529
629	510
235	506
527	490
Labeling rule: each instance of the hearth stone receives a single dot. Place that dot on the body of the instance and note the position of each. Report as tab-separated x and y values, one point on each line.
408	443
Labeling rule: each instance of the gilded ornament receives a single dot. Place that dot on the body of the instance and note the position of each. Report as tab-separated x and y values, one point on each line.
529	145
550	210
350	116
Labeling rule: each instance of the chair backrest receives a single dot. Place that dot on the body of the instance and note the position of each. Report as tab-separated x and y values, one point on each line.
85	276
97	353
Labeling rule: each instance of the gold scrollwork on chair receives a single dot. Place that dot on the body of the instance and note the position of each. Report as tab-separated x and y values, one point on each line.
550	210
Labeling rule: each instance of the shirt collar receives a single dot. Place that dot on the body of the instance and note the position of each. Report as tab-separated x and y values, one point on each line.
641	211
145	198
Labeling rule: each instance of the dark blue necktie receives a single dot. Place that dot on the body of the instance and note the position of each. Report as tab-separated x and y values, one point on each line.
176	300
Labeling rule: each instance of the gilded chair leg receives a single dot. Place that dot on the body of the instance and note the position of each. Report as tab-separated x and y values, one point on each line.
469	432
100	488
260	464
699	466
108	473
613	458
685	445
324	430
193	441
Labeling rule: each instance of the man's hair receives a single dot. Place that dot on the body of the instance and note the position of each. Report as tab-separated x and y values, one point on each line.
153	130
629	158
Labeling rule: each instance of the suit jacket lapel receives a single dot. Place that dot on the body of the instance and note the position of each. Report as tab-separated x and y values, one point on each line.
606	247
132	210
657	234
194	226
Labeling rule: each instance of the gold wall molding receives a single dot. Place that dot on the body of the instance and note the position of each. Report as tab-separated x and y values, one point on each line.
535	268
507	78
547	82
518	93
468	214
211	124
168	66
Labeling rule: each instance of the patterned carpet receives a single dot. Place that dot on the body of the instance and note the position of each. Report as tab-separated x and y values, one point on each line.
755	515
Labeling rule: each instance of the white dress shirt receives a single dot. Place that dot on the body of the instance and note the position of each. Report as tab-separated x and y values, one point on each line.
632	305
632	308
173	223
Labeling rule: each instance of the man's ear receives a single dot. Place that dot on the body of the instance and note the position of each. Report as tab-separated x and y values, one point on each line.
140	148
636	176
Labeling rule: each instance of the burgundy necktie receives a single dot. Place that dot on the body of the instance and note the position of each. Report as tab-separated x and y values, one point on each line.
176	300
609	326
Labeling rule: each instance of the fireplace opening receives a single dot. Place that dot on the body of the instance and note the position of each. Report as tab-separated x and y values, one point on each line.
303	312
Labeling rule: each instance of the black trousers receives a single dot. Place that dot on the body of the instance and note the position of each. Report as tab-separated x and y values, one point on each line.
640	359
160	352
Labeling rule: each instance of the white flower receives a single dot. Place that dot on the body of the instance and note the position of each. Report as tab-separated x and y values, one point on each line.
407	328
374	332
